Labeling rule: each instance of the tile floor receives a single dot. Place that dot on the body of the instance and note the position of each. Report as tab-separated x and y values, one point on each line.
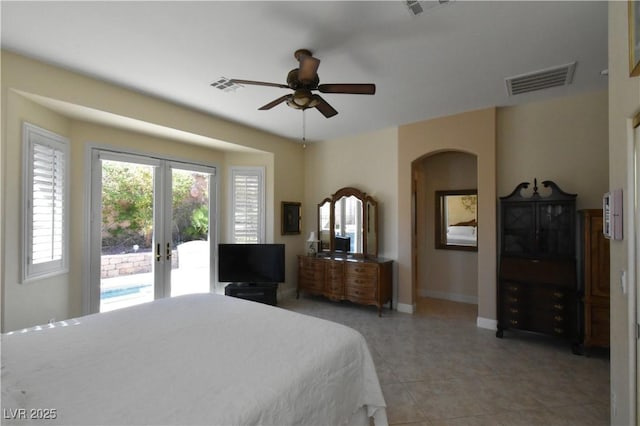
437	368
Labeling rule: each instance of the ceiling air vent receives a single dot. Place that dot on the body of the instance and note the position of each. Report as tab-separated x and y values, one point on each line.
226	85
543	79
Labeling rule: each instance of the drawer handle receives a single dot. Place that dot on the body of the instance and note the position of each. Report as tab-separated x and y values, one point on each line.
513	288
558	294
558	330
513	311
514	322
513	299
558	318
558	307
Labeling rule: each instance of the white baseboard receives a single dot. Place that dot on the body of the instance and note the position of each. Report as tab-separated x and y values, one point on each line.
454	297
405	308
489	324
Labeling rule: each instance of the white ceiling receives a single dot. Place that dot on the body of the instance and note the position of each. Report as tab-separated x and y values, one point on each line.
451	58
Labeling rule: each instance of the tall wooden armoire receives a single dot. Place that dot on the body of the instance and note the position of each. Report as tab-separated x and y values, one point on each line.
593	279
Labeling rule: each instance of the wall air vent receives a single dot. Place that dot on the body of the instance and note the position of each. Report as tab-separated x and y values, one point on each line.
543	79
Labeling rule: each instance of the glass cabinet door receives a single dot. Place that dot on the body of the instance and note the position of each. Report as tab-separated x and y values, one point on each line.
555	229
518	237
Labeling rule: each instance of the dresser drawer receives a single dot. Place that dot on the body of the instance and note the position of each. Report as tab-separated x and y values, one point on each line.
361	275
334	279
310	274
361	294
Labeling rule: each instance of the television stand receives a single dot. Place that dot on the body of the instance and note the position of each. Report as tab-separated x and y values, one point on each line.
258	292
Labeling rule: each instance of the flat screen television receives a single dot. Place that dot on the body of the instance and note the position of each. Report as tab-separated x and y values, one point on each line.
251	263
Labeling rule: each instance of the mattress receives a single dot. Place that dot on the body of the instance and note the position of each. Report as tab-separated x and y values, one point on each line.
196	359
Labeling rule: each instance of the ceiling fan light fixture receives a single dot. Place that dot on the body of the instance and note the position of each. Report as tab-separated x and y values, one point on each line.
302	99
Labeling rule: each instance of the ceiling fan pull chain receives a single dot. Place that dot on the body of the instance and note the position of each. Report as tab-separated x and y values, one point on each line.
304	129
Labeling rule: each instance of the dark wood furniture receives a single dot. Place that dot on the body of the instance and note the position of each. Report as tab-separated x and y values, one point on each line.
537	286
263	292
360	280
593	279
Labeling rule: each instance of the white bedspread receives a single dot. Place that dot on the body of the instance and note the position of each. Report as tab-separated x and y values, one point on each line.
200	359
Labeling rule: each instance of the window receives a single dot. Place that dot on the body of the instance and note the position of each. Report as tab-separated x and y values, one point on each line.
45	198
247	205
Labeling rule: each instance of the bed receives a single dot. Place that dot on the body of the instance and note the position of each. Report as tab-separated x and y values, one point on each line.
196	359
462	235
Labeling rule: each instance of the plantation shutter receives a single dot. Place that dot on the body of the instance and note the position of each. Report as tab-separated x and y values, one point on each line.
248	209
46	200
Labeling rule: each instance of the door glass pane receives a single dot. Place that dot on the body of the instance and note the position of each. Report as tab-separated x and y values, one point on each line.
126	261
190	232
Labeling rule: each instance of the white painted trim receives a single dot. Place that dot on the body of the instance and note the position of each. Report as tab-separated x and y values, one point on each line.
405	308
33	135
633	138
261	172
454	297
92	213
489	324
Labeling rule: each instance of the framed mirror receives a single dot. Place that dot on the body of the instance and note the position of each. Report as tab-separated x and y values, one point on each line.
456	219
348	224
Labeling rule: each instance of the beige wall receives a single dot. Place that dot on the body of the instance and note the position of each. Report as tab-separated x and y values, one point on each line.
471	132
563	140
366	162
443	274
60	297
47	298
624	103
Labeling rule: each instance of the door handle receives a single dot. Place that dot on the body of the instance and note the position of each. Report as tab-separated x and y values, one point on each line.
158	256
168	251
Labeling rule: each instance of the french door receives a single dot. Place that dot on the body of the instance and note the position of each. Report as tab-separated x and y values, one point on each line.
150	233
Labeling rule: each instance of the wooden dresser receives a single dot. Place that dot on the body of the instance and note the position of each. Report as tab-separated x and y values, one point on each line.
367	281
593	279
537	284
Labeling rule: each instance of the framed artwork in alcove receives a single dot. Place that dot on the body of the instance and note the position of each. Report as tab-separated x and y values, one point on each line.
290	218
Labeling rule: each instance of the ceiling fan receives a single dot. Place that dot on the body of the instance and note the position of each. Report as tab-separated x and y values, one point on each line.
303	81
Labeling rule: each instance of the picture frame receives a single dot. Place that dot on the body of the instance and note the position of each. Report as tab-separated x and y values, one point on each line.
634	38
290	218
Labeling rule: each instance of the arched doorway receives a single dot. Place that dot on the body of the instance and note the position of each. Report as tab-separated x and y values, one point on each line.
444	274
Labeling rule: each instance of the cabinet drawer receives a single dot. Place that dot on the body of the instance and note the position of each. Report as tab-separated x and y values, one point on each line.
310	274
362	270
538	271
365	294
334	271
361	275
334	278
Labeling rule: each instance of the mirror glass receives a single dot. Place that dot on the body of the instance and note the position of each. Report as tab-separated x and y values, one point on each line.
457	220
348	224
324	224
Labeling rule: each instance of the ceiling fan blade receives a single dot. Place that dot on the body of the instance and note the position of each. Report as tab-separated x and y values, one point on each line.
308	68
259	83
354	89
278	101
323	106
